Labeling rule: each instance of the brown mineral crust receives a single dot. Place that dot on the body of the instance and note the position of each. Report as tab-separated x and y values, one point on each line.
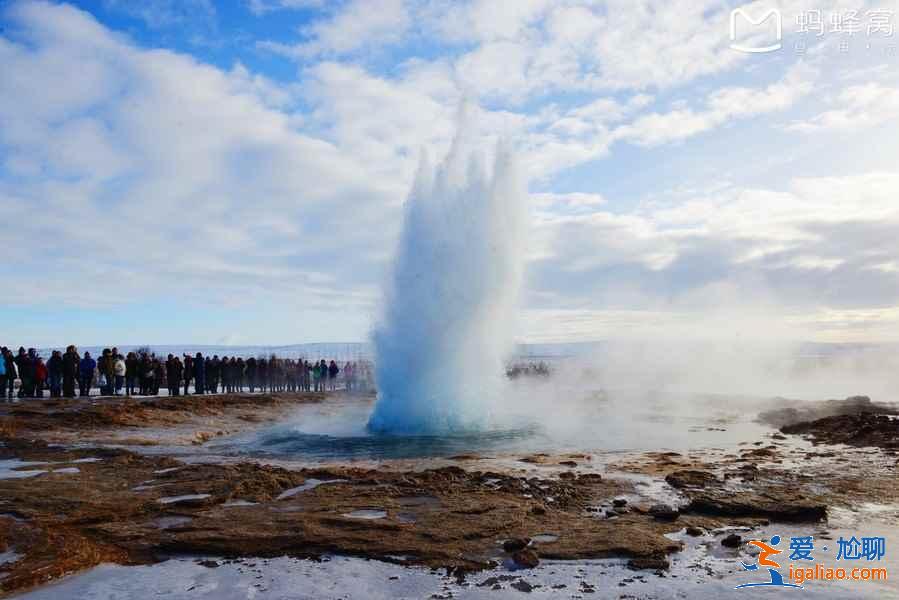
125	508
52	551
111	510
76	415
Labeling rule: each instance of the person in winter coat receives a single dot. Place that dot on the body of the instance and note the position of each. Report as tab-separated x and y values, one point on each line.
25	367
106	366
145	374
213	373
200	374
173	371
3	373
261	373
333	370
239	374
40	377
251	374
70	362
131	363
188	364
120	368
158	375
54	369
86	375
11	373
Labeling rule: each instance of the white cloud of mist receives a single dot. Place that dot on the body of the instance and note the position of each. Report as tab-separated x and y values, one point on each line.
152	171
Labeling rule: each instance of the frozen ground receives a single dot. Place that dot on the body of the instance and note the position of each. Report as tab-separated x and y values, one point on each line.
703	571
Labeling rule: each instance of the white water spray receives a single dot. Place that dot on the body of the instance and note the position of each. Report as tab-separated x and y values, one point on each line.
446	331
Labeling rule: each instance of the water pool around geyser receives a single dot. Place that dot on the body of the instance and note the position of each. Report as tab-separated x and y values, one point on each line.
335	430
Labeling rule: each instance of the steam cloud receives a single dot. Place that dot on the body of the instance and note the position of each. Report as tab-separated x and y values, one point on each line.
442	342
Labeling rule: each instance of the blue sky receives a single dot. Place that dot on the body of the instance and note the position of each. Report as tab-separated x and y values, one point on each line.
234	172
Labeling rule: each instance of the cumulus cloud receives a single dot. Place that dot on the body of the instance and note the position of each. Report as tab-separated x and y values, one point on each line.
355	26
153	167
153	174
820	247
722	106
857	107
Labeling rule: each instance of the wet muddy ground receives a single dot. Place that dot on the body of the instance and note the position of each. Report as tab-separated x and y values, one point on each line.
69	501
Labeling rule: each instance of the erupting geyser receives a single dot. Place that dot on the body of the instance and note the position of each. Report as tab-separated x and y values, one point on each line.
442	342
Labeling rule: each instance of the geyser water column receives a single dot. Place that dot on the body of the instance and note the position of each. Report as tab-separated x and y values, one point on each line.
441	345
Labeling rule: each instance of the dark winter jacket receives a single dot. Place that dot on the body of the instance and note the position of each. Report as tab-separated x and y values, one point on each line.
54	366
70	364
86	367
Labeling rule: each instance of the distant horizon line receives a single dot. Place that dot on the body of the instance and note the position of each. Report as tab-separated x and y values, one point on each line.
358	343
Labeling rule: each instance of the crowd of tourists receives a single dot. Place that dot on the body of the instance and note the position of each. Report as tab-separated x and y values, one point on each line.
528	369
145	374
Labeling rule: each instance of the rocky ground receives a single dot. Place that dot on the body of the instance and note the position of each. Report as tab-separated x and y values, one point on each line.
64	509
148	421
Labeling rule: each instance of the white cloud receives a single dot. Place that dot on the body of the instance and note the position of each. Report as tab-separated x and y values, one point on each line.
151	169
355	26
723	105
857	107
141	178
823	245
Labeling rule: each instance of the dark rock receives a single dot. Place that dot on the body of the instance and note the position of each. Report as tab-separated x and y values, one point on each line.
619	502
538	510
803	412
648	562
523	586
690	478
527	559
760	453
777	503
732	541
663	512
568	463
863	429
695	531
566	475
209	564
516	544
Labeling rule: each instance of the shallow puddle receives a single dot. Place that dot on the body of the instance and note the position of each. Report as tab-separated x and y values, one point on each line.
170	522
366	513
310	484
185	498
